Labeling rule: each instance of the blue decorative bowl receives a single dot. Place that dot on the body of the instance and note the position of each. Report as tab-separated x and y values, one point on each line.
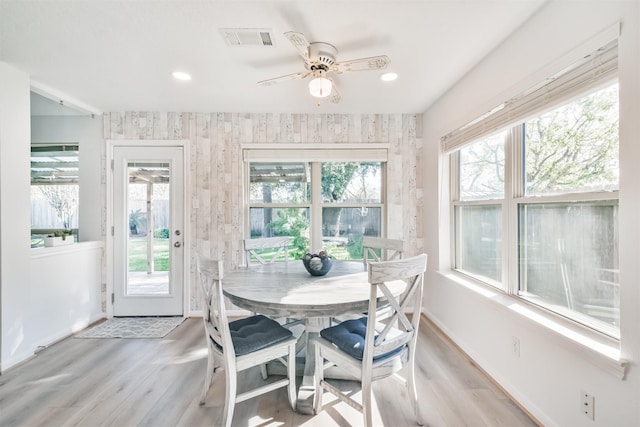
316	265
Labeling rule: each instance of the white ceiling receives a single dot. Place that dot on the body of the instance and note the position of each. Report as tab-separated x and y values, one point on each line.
110	55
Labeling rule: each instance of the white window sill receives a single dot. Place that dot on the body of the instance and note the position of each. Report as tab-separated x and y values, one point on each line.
42	252
599	349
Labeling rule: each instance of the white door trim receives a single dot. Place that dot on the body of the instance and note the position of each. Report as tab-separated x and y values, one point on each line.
108	171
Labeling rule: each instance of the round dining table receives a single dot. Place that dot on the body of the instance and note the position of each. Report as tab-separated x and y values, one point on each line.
287	290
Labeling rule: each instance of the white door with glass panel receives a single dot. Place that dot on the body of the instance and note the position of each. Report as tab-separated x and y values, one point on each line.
148	233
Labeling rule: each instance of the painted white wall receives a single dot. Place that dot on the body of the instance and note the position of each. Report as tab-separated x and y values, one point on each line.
14	211
87	132
551	371
64	291
45	294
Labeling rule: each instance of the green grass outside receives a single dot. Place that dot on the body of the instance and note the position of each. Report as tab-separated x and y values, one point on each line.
138	254
337	252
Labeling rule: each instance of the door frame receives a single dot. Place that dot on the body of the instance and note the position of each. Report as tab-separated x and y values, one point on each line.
109	229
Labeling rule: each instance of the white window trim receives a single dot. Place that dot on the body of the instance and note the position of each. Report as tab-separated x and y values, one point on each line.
599	349
513	199
62	146
596	347
321	152
315	154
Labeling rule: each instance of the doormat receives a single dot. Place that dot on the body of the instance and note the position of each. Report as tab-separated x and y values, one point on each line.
133	327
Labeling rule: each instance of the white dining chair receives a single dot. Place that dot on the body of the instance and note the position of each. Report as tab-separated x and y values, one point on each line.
371	350
241	344
253	246
381	249
376	249
281	246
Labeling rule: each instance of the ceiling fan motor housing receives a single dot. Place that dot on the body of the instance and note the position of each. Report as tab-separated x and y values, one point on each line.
321	56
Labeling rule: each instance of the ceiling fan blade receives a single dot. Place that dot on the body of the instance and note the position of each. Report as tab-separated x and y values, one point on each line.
362	64
286	78
299	41
334	96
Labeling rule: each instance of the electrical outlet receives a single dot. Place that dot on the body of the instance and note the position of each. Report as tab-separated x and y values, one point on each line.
587	403
515	346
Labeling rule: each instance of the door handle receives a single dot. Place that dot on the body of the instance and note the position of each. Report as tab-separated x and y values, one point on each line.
177	244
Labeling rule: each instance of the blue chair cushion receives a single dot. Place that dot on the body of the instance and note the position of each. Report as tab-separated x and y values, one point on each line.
255	333
349	336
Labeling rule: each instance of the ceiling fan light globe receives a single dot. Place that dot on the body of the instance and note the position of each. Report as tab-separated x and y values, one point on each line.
181	75
320	87
389	77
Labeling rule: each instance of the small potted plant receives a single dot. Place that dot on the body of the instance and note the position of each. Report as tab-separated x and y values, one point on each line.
318	264
59	238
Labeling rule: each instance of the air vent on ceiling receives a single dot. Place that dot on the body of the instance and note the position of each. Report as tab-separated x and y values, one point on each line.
247	36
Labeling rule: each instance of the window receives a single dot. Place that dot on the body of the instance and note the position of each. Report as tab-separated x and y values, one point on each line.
537	178
54	190
280	202
478	215
351	206
328	204
567	219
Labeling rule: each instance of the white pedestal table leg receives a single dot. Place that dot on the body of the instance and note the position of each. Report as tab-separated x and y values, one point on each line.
313	326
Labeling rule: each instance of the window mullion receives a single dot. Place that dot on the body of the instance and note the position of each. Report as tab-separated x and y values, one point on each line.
514	169
454	173
454	191
384	199
315	238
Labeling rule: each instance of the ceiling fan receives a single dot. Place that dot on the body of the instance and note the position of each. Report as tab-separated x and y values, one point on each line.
320	60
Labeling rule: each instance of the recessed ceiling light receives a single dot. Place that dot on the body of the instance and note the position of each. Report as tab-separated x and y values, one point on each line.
180	75
388	77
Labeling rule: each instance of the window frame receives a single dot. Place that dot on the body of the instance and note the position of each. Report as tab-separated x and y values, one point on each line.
53	147
514	198
317	209
371	152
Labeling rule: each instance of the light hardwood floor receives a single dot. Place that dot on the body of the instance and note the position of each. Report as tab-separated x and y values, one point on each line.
157	382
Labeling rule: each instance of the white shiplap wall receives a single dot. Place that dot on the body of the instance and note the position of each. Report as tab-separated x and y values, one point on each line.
217	171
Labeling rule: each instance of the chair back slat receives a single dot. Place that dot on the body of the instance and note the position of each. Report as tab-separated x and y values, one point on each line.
398	330
379	249
395	270
395	311
214	311
252	246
